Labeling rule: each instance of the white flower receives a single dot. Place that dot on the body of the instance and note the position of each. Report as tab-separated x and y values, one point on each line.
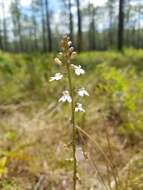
82	92
79	108
58	76
71	49
66	97
78	70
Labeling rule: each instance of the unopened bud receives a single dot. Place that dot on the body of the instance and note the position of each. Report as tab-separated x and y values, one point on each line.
58	61
69	43
73	55
71	49
60	55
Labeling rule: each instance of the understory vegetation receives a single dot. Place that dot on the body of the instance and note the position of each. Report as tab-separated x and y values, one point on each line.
35	144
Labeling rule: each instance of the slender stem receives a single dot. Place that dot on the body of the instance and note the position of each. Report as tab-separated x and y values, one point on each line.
114	173
73	126
108	162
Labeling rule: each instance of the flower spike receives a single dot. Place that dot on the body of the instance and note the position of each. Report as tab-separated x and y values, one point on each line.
64	59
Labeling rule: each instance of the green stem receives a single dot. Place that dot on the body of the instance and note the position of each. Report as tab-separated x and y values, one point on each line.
73	126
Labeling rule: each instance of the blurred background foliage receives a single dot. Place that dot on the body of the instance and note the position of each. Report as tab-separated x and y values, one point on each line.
115	79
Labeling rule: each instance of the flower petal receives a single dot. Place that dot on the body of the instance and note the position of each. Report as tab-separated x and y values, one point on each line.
79	108
58	76
66	97
82	92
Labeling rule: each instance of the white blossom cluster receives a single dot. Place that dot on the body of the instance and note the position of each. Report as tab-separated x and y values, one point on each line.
78	70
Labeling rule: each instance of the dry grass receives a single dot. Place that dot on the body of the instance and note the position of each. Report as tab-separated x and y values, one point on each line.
42	157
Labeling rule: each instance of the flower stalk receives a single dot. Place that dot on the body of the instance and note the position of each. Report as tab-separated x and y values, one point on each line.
73	125
64	59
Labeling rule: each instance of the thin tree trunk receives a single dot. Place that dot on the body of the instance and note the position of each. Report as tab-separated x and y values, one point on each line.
121	26
35	34
20	35
139	27
1	45
48	26
92	32
111	26
79	35
128	29
17	26
5	45
70	20
44	47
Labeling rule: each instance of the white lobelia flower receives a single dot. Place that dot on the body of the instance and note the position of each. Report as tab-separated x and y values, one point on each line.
79	108
58	76
82	92
78	70
66	97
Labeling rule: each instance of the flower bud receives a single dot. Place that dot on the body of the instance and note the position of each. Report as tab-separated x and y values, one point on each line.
60	55
58	61
73	55
71	49
69	43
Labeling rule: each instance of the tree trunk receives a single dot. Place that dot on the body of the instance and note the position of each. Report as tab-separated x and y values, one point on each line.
139	26
121	25
44	47
79	21
48	26
111	25
20	34
1	45
70	20
92	30
35	33
5	45
128	30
